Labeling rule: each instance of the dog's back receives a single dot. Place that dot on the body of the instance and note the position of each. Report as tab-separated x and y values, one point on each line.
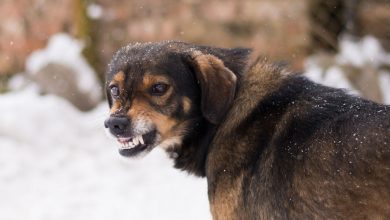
290	148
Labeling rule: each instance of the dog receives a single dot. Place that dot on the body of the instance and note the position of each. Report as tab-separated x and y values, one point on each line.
272	144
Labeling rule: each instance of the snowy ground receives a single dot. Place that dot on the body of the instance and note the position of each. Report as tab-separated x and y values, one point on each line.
57	163
364	53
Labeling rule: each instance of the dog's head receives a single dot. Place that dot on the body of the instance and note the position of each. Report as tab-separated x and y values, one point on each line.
158	92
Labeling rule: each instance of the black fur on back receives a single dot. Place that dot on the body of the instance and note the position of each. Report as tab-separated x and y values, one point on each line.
304	151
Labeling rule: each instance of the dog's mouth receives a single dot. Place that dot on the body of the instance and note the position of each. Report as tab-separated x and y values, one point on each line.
131	146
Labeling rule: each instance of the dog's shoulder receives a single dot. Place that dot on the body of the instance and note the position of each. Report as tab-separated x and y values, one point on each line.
238	132
260	81
282	128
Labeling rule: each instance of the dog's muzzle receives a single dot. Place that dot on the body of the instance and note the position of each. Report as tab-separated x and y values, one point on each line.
117	125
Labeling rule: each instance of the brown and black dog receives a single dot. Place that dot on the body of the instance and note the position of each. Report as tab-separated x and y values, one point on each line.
272	145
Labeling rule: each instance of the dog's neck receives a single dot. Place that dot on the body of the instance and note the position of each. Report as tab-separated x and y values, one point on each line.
261	79
191	155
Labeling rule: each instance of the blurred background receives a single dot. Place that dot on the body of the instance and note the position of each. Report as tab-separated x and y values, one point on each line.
55	160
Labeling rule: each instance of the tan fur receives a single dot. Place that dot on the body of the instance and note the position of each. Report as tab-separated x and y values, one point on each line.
225	202
148	81
119	79
164	124
212	73
262	73
186	105
116	106
209	65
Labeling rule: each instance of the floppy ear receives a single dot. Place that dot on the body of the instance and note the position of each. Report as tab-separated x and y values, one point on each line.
217	84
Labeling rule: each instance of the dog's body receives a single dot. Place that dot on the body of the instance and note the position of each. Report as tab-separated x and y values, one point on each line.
292	149
272	145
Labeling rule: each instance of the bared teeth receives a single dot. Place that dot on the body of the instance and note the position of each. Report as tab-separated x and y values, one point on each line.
135	141
127	143
141	140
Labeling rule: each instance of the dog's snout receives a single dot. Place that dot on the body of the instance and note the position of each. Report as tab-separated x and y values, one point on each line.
117	125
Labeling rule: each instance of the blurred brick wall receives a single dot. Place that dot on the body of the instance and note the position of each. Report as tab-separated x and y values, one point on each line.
277	28
374	19
25	25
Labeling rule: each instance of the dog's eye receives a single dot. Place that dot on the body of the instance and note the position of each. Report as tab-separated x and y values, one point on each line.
159	89
114	91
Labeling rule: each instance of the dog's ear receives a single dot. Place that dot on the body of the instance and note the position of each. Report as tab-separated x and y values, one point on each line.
217	84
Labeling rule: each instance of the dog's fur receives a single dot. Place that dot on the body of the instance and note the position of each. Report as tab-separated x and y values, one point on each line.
272	145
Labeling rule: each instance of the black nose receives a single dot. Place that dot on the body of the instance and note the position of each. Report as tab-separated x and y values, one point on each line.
117	125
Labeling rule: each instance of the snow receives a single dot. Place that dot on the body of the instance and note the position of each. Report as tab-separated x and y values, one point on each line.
333	76
65	50
19	81
366	52
384	83
359	53
57	163
94	11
